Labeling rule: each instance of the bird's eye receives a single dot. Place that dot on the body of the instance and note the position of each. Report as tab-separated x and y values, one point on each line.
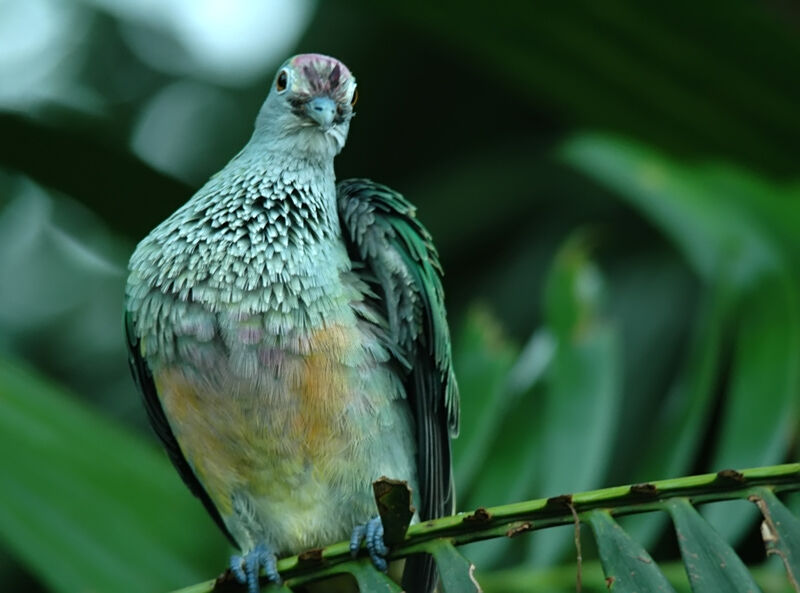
354	99
280	83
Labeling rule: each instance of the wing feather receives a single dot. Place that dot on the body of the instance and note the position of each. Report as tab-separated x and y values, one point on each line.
396	257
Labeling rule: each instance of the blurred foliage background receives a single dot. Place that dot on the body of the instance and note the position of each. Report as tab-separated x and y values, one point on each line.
613	188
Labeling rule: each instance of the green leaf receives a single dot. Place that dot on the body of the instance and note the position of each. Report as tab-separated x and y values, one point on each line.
627	565
736	255
769	204
676	435
273	588
370	579
711	564
503	477
561	579
780	532
760	411
574	289
456	573
583	386
654	303
731	250
719	240
86	505
487	462
483	357
203	587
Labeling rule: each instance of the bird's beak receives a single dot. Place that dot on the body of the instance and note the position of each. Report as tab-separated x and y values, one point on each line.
322	110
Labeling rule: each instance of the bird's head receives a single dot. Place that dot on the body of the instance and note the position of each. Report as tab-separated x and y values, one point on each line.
309	106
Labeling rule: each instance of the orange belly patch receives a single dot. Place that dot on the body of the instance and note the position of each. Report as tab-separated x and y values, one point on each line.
324	390
265	442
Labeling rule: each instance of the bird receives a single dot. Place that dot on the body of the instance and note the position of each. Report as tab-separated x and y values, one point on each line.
289	337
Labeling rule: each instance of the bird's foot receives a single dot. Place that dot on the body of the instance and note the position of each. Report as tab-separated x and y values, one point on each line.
371	533
247	569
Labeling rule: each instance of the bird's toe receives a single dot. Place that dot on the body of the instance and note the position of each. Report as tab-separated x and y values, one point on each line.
246	569
371	534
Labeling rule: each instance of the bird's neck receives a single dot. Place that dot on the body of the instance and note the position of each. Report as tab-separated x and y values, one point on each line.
276	159
308	144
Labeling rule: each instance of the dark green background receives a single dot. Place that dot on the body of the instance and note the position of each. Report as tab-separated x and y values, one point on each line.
613	188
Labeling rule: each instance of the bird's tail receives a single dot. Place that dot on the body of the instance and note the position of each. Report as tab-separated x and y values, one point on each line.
420	574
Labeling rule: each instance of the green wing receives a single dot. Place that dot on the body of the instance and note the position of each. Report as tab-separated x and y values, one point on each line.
402	268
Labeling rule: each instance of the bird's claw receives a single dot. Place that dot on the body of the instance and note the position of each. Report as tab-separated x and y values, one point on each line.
247	569
372	534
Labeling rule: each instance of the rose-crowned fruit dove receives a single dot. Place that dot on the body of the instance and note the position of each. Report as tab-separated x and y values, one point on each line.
289	337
